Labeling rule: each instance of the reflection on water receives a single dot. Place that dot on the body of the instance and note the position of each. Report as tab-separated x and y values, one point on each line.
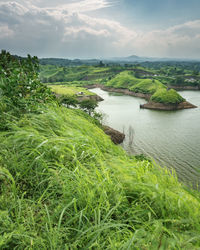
172	138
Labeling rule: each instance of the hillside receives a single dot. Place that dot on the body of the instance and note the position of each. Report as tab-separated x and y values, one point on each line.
69	185
158	92
65	185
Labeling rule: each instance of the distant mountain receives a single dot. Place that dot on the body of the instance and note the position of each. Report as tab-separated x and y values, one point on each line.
128	58
116	60
134	58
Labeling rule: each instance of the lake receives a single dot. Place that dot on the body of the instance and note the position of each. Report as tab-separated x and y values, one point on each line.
171	138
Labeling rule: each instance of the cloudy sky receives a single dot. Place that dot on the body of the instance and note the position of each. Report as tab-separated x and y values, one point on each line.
101	28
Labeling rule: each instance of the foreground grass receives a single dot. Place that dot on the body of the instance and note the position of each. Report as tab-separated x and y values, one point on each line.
65	185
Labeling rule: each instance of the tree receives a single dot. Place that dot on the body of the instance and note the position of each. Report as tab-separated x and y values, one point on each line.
88	105
101	64
195	72
179	80
69	100
20	88
136	74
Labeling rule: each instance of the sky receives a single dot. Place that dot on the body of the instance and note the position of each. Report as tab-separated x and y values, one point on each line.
101	28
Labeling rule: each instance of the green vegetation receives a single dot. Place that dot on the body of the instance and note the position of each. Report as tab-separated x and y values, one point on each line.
70	90
123	80
65	185
126	79
147	86
122	75
88	105
167	96
52	74
20	89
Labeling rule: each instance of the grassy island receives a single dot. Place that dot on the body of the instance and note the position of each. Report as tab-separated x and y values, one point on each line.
151	89
167	96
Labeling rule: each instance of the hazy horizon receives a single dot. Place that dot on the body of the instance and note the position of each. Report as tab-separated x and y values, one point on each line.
87	29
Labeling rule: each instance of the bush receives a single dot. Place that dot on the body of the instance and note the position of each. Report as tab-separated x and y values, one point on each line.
167	96
88	105
20	89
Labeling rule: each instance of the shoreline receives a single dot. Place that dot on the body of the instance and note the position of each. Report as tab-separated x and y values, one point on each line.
179	88
167	107
149	104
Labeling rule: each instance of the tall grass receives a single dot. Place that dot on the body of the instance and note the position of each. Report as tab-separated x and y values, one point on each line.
65	185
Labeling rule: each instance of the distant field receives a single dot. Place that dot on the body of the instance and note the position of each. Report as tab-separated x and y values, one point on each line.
156	79
69	90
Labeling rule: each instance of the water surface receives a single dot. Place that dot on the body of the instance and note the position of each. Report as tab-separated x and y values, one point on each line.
172	138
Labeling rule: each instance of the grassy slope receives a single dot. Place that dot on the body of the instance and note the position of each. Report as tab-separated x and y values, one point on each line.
70	74
69	90
164	96
64	185
126	79
147	86
123	80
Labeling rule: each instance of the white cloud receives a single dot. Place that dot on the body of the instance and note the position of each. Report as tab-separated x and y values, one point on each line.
177	41
85	6
69	31
5	31
62	33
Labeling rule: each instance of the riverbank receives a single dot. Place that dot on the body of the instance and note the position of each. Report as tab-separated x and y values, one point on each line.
169	137
150	104
185	87
119	90
115	136
96	98
167	107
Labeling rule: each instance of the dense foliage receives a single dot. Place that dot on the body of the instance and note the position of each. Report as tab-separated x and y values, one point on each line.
53	74
108	76
170	73
167	96
20	89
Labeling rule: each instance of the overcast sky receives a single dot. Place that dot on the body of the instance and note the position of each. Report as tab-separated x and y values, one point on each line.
101	28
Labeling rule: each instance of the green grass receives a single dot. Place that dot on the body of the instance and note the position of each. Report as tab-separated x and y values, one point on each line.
126	79
65	185
99	69
147	86
153	87
49	73
167	96
69	90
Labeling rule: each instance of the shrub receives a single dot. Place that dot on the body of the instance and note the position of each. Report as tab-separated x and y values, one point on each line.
20	89
167	96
